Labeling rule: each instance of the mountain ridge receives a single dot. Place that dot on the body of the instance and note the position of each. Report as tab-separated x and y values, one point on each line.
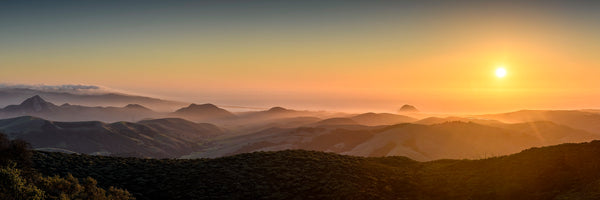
37	106
10	95
147	138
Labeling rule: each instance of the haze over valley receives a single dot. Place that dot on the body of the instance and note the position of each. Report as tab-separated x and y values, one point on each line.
337	99
207	131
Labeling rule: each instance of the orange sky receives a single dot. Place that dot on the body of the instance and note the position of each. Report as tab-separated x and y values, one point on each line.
371	57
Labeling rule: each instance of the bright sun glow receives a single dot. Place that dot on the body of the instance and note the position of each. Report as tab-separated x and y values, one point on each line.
500	72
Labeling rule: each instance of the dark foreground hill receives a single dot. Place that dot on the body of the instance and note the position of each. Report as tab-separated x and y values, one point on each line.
18	181
567	171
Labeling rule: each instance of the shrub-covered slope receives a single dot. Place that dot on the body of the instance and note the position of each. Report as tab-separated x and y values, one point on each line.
270	175
568	171
18	181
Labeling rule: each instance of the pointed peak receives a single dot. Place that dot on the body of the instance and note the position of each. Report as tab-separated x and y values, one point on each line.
35	104
35	99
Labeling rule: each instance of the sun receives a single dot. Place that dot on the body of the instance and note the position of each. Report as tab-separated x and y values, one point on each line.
500	72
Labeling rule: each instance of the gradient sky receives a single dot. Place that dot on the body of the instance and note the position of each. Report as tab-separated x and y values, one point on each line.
325	55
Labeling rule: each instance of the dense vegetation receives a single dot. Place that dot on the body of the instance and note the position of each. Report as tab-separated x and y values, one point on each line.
268	175
568	171
18	181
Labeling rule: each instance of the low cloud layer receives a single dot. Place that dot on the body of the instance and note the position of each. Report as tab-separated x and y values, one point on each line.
74	89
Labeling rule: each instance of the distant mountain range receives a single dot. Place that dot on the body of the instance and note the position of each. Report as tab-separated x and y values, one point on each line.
36	106
160	138
205	130
39	107
12	95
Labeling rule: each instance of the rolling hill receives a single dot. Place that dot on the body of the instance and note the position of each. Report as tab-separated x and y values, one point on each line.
580	119
253	121
277	112
456	140
368	134
377	119
203	112
153	138
440	120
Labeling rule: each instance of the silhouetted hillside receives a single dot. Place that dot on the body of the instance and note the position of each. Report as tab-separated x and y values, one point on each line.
440	120
278	113
153	138
12	95
36	106
292	122
250	122
377	119
567	171
408	109
204	112
335	122
585	120
420	142
183	128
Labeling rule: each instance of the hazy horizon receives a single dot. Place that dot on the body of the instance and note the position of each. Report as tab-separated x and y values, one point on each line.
243	105
344	56
299	99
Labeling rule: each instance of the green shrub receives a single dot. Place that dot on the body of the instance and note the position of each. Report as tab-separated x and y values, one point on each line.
13	186
15	156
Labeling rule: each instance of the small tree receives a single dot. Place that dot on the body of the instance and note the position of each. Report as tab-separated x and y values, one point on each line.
4	155
17	151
